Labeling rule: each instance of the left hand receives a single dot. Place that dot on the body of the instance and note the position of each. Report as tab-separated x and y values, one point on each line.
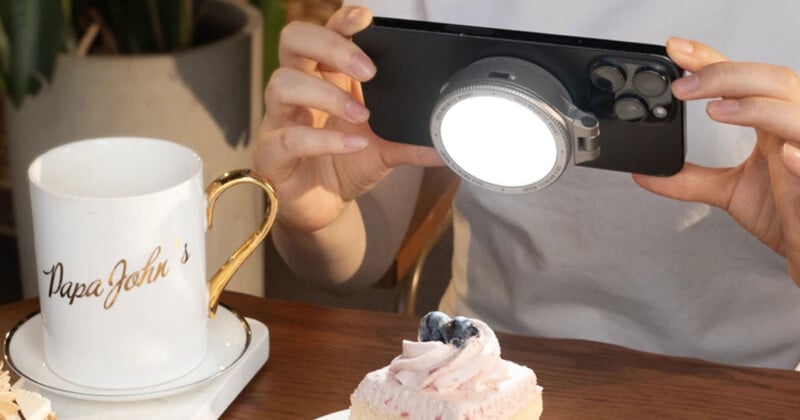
762	193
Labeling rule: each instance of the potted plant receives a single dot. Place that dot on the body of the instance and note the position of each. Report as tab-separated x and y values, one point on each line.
188	71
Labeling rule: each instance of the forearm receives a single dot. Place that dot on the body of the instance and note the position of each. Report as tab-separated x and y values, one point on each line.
330	256
360	245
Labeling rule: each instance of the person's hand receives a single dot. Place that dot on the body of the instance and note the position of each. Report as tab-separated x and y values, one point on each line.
762	193
314	143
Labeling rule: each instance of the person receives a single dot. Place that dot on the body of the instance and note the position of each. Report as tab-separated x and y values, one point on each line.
702	268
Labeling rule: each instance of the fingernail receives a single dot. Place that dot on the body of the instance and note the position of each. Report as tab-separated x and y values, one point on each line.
791	153
362	67
685	85
355	14
681	45
723	107
353	142
356	111
791	158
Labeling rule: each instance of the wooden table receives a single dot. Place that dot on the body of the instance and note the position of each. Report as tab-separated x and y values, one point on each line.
318	355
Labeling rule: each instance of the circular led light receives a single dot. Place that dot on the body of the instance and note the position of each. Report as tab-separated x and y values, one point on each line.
508	125
499	141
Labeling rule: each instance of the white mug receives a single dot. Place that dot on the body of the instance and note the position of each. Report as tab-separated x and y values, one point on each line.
119	235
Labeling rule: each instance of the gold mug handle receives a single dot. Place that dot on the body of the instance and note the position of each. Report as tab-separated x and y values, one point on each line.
213	191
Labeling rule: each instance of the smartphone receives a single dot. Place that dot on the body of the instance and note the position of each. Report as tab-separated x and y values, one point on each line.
624	85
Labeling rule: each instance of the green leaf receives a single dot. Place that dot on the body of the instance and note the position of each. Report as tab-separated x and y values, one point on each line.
185	24
5	53
274	12
129	20
35	32
69	31
177	23
146	26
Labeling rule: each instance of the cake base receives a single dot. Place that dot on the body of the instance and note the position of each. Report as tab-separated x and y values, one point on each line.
361	410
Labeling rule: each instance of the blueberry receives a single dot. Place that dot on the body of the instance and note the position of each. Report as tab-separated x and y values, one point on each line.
432	326
458	330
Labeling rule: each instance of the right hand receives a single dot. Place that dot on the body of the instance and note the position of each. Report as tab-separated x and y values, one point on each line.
314	144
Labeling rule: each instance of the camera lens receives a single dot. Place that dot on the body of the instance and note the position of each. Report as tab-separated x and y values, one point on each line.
630	108
608	78
650	83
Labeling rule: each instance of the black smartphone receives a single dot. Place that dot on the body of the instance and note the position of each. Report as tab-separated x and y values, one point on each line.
624	85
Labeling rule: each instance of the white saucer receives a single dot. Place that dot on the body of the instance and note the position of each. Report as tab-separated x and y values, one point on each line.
228	338
339	415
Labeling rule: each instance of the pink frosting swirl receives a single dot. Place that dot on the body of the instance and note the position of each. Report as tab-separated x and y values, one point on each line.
443	367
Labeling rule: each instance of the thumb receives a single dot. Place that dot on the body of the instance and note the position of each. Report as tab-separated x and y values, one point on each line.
713	186
692	55
395	154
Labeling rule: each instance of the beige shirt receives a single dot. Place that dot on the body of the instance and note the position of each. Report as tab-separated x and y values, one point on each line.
594	256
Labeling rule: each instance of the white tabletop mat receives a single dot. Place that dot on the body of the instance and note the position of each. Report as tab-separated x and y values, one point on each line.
207	401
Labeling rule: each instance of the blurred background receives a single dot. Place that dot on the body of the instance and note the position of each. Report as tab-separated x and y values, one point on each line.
191	71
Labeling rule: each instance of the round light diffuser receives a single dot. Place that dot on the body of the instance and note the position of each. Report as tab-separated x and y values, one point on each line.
509	125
